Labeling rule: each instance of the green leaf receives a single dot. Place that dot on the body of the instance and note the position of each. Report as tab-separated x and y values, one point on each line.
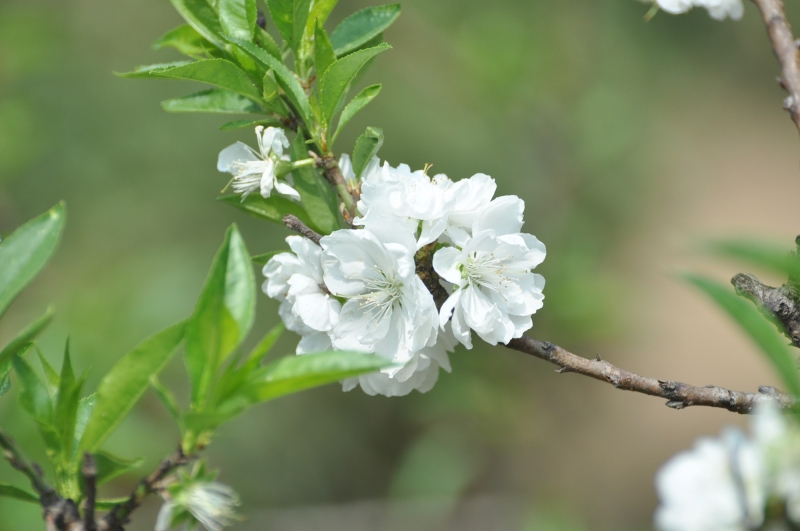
299	21
320	9
126	382
262	259
356	104
166	397
265	41
241	124
339	75
202	17
238	18
282	13
66	407
218	72
272	208
323	50
24	253
361	26
19	343
316	196
10	491
213	101
33	396
108	504
5	384
85	408
290	84
186	40
223	315
769	256
270	86
367	146
297	373
757	326
110	466
51	377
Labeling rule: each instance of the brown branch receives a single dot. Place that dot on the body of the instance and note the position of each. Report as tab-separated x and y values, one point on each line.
785	48
678	395
118	516
333	174
89	472
294	223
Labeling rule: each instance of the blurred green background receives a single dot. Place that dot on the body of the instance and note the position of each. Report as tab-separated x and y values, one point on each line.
629	142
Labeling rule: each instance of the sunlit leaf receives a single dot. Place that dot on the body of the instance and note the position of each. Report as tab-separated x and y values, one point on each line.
238	18
361	26
24	253
323	50
202	17
126	382
356	104
339	75
367	146
212	101
186	40
33	397
65	409
20	343
166	398
218	72
757	326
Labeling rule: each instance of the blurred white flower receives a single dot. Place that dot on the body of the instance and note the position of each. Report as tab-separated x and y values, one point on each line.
256	170
717	9
732	482
210	503
295	279
388	310
494	291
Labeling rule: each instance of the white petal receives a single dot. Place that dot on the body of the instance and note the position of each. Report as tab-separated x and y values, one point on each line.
447	262
503	215
238	152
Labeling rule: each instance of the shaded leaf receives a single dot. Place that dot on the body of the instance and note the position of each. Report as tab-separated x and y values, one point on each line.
769	256
238	18
110	466
757	326
186	40
323	50
356	104
317	197
33	396
367	146
272	208
262	259
24	253
361	26
320	9
10	491
241	124
166	397
126	382
223	315
65	410
213	101
202	17
338	77
218	72
51	377
282	13
20	343
265	41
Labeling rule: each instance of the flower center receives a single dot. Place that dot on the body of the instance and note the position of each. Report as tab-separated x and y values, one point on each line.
382	291
486	270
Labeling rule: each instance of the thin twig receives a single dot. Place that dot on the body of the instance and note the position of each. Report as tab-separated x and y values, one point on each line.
89	472
785	48
118	516
678	395
47	494
294	223
333	174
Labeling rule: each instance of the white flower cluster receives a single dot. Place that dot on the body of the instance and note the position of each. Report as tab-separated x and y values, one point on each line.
359	290
717	9
735	483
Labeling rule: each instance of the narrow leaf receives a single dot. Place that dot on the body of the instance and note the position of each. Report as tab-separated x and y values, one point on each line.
33	396
338	77
323	50
108	504
186	40
10	491
265	41
223	315
320	9
299	20
262	259
769	256
282	13
289	82
367	146
757	326
202	17
356	104
238	18
361	26
241	124
316	196
272	208
110	466
24	253
218	72
66	407
166	397
51	377
16	345
212	101
127	381
85	408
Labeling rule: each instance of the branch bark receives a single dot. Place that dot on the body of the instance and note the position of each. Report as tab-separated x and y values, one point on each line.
294	223
785	47
89	472
678	395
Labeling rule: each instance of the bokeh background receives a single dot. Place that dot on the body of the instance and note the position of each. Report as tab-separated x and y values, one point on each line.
631	143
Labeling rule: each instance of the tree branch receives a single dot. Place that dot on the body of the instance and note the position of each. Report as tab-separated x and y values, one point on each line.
294	223
118	516
678	395
785	48
89	472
